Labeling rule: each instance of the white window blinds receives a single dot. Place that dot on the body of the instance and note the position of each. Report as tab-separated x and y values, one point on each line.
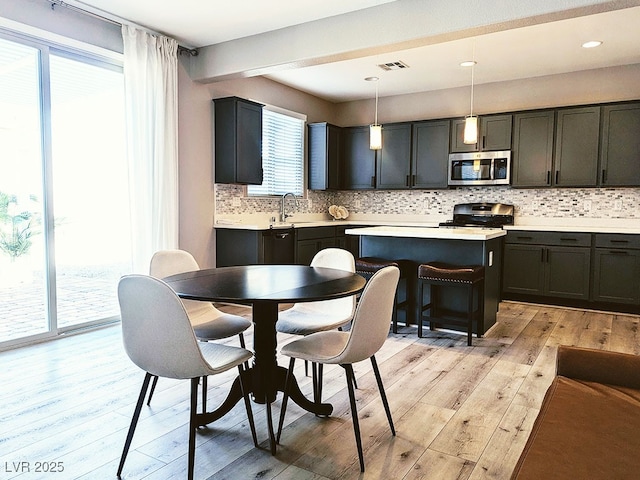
282	155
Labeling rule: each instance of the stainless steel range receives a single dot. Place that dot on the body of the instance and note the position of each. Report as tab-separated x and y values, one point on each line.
486	215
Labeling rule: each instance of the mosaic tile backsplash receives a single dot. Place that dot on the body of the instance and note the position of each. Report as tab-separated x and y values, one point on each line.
612	203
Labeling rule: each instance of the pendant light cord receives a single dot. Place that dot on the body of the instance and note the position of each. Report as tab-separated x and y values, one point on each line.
375	121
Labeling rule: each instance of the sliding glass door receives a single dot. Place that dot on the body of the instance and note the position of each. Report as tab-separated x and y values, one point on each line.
64	208
23	293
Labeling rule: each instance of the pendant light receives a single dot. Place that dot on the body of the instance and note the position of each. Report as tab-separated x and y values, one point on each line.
375	130
470	121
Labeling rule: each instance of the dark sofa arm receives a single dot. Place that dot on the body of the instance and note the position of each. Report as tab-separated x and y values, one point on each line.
611	368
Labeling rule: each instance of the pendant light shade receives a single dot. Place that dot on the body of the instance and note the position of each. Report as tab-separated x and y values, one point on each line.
375	137
471	121
470	129
375	130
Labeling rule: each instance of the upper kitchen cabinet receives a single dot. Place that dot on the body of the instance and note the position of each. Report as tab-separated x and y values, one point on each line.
576	149
324	144
429	154
494	134
394	160
238	141
533	148
359	166
620	145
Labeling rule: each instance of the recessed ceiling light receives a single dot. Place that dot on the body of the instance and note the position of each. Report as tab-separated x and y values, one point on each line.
468	63
591	44
371	79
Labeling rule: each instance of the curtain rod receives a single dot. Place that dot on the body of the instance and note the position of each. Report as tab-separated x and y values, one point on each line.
59	3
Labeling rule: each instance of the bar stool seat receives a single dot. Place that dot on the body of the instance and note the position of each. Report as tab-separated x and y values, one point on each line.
440	274
367	266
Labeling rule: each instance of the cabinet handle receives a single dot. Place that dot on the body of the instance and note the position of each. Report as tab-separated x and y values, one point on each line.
524	238
408	181
413	180
604	176
548	177
373	181
542	256
568	239
619	241
282	235
484	141
557	176
618	252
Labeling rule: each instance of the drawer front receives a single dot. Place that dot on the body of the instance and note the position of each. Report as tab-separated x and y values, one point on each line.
568	239
617	240
307	233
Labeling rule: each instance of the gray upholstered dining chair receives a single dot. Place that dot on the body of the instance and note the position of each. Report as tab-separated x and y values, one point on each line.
306	318
158	338
369	330
208	322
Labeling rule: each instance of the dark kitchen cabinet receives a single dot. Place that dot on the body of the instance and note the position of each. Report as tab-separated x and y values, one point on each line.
616	272
576	147
237	141
494	133
324	152
394	160
359	161
254	247
620	146
310	240
548	264
533	148
429	154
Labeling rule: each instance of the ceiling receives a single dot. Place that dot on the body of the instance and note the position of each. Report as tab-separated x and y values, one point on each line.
531	51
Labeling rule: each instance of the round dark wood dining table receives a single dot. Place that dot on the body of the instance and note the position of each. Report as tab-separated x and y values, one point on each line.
264	287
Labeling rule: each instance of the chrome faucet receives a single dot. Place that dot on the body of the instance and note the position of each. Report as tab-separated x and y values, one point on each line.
283	214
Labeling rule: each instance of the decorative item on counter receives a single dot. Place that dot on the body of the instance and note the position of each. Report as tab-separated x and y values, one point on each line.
338	212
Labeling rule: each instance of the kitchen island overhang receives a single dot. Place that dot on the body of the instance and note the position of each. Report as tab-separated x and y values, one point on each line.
459	246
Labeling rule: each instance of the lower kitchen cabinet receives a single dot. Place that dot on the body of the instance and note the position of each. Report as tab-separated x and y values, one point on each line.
254	247
616	272
310	240
541	264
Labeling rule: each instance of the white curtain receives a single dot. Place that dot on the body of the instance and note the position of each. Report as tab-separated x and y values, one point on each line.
151	94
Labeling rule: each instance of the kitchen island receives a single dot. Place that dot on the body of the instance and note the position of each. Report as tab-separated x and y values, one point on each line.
461	246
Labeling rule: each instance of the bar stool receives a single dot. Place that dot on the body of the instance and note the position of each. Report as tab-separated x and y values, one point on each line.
367	266
438	275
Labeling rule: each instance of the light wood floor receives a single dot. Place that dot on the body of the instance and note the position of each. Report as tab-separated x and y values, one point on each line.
460	412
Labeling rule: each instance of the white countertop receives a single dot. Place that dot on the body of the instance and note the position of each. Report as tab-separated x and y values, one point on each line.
575	229
426	232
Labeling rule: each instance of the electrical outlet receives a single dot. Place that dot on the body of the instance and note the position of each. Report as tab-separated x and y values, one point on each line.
357	203
235	202
426	205
587	205
617	205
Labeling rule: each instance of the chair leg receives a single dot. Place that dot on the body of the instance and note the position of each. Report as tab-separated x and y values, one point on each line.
420	302
153	388
285	398
383	395
193	427
134	420
470	314
247	404
241	336
354	412
204	394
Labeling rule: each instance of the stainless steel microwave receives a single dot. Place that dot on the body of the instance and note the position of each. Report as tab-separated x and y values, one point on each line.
480	168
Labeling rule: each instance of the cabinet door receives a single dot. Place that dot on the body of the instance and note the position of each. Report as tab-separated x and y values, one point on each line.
457	138
306	249
238	141
620	146
576	154
616	276
394	160
567	272
523	269
495	132
533	148
430	154
324	156
359	161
